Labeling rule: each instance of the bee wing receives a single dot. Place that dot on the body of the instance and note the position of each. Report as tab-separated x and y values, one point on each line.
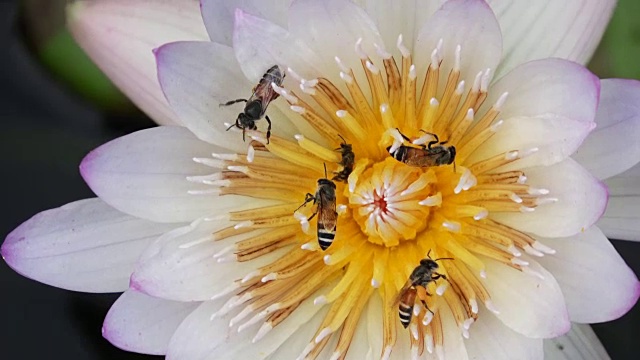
401	293
265	92
327	219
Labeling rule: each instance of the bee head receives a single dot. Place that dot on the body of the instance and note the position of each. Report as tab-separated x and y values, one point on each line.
429	264
326	182
452	155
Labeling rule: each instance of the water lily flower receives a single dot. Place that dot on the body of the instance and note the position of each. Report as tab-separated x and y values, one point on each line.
205	231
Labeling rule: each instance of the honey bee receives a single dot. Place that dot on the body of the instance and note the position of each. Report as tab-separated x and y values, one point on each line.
256	105
348	158
325	198
416	286
435	153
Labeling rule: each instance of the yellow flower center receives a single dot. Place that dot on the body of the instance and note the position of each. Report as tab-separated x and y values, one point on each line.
390	215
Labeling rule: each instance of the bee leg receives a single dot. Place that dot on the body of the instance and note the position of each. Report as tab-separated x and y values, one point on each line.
403	136
433	142
424	303
268	128
233	102
243	134
307	199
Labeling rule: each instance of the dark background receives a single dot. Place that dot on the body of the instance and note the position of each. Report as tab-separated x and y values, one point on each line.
45	130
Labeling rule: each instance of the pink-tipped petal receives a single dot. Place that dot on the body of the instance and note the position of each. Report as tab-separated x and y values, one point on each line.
490	339
218	15
120	36
195	85
139	323
577	198
588	261
145	174
579	343
613	147
468	23
82	246
551	106
529	305
532	30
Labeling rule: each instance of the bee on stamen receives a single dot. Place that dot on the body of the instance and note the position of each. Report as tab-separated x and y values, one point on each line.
256	106
348	159
416	286
434	153
325	198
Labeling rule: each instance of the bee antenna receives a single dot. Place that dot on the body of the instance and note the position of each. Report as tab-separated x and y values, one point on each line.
343	140
429	254
443	259
454	166
325	169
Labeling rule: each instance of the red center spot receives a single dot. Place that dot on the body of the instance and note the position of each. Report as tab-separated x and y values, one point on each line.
380	202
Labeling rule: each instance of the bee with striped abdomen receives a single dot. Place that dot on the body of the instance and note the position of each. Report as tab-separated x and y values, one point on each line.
416	287
434	153
325	199
347	161
256	105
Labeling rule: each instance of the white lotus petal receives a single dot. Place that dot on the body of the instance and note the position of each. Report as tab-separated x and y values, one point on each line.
532	30
529	305
82	246
622	218
140	323
490	339
588	261
144	174
218	15
578	344
120	36
613	146
582	199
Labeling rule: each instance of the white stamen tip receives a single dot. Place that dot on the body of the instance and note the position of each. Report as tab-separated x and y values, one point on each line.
269	277
515	198
460	88
384	108
375	283
429	340
476	82
417	309
323	334
294	75
298	137
310	246
336	355
297	109
387	353
306	89
482	214
511	155
320	300
514	251
435	61
310	83
441	289
474	307
224	251
230	157
452	226
346	77
327	259
264	329
483	274
414	330
228	290
403	49
359	51
465	332
434	102
544	248
547	200
528	152
246	311
467	323
426	320
531	251
412	72
486	78
243	224
249	276
501	100
526	209
341	113
251	153
227	258
517	261
341	65
497	125
536	191
434	200
491	307
382	52
469	116
306	350
341	209
522	179
374	69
